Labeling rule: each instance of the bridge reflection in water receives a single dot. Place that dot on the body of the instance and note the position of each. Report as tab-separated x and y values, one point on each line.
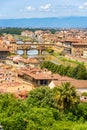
29	52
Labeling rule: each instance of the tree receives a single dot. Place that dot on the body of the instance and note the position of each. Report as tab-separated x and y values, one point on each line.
70	72
16	122
41	97
12	112
80	72
40	119
62	70
66	96
82	110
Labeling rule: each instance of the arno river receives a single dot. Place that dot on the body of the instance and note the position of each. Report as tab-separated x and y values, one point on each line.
29	53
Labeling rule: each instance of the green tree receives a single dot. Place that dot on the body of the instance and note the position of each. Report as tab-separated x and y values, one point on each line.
66	97
16	122
40	119
80	72
70	72
62	70
41	97
81	111
12	112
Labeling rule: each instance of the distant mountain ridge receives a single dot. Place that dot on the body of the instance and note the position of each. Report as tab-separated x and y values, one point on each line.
62	22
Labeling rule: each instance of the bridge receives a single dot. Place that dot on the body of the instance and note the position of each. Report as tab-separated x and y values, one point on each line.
40	47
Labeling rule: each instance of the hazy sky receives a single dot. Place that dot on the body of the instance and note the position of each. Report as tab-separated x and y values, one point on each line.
42	8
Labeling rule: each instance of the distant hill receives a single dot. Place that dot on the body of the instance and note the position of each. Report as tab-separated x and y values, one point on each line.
63	22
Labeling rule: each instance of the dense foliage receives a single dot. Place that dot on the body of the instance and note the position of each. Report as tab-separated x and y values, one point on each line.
11	30
44	109
79	72
19	30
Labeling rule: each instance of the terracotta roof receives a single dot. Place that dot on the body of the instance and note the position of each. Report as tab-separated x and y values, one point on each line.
4	49
23	93
71	40
77	44
40	74
26	61
79	84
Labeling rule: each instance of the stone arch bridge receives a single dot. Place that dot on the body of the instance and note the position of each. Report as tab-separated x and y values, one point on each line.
40	47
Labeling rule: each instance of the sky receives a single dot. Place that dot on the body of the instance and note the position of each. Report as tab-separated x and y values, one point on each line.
12	9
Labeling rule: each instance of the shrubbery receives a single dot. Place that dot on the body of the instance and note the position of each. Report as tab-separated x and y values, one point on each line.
79	72
41	110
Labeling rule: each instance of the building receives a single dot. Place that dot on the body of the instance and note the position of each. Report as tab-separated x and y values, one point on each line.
80	85
44	77
79	49
19	61
74	47
4	52
37	76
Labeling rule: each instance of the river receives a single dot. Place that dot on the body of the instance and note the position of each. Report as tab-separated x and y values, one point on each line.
29	53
